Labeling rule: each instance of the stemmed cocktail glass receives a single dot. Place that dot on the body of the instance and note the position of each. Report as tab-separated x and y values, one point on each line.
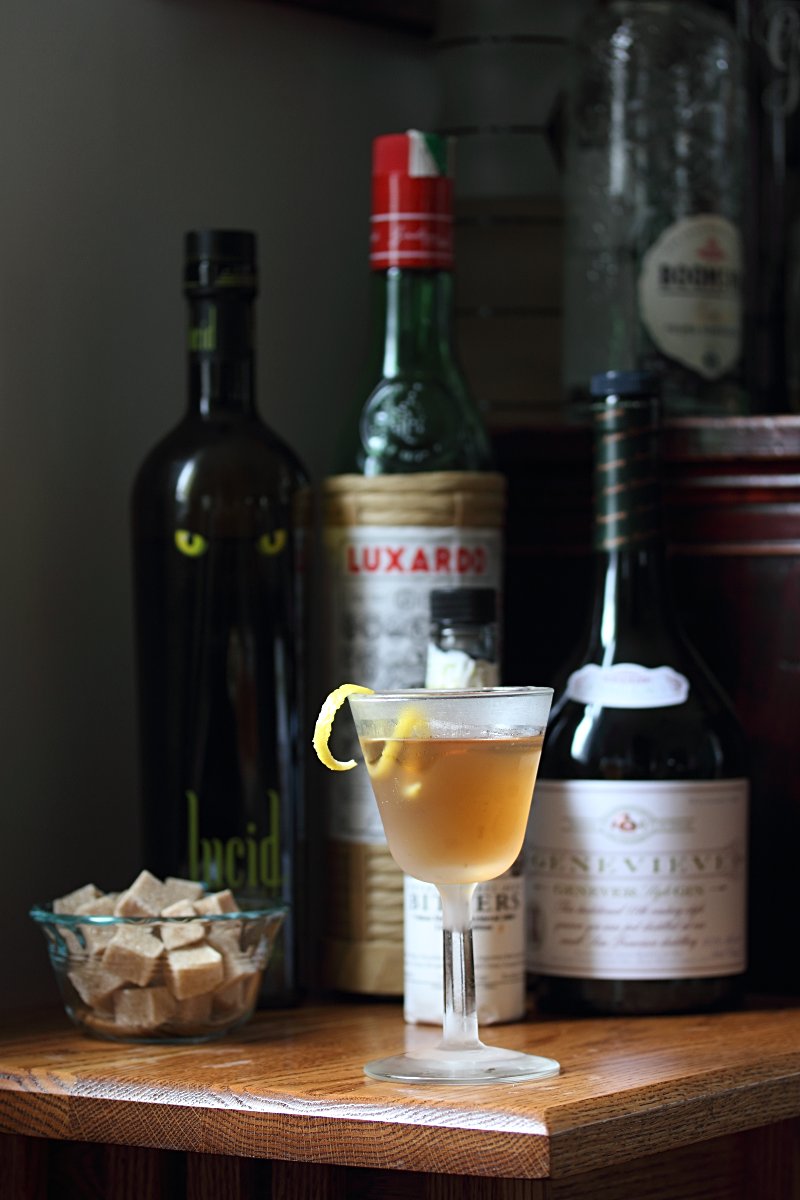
453	775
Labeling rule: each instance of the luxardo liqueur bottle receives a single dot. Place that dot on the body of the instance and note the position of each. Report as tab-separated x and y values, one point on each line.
218	518
637	843
413	507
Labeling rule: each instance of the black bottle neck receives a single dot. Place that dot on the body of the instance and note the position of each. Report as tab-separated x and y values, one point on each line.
631	586
221	358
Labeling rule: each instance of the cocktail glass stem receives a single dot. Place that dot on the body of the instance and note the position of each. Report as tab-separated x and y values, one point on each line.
460	1028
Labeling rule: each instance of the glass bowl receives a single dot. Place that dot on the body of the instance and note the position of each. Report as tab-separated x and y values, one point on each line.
160	979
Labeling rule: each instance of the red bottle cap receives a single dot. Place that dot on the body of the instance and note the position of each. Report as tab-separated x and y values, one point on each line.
412	201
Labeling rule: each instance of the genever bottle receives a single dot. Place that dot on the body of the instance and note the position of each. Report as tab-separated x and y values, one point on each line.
637	841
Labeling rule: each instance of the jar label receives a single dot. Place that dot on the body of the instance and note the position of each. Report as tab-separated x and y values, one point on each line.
690	294
378	618
637	879
627	685
457	669
498	931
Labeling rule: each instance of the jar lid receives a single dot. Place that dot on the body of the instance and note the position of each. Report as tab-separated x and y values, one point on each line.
474	606
625	383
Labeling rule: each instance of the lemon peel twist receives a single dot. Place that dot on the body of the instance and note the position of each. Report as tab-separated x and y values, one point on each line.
410	723
324	723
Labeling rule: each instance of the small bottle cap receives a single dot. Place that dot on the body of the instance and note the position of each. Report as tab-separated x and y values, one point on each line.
414	154
220	258
474	606
625	383
412	201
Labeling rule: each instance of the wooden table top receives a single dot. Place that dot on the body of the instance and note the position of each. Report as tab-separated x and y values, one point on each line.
290	1086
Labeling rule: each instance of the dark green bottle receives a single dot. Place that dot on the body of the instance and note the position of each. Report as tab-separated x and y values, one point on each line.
418	414
218	519
637	843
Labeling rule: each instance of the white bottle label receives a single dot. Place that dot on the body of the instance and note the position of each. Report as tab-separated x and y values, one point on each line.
378	611
498	932
637	880
627	685
690	294
456	669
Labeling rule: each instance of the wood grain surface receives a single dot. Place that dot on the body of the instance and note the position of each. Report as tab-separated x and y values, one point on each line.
290	1088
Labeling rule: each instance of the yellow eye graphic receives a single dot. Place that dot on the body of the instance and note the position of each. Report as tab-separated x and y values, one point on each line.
190	544
272	543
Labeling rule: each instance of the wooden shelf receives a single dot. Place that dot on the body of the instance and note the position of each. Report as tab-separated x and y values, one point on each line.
407	16
290	1087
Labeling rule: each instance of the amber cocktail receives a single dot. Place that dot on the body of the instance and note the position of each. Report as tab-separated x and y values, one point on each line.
453	775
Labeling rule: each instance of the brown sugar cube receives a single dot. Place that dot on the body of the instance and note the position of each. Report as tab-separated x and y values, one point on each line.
181	934
97	937
218	902
194	970
133	954
250	988
101	906
75	947
181	889
229	999
237	995
252	935
94	984
142	1009
225	936
236	964
98	1021
194	1010
144	898
73	900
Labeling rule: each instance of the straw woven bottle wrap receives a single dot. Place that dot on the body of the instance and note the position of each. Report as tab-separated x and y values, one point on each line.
389	540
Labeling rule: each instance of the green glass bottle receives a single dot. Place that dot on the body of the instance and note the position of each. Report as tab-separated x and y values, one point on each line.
637	843
414	506
218	518
418	414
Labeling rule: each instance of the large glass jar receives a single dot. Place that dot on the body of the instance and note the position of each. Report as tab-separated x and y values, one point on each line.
654	194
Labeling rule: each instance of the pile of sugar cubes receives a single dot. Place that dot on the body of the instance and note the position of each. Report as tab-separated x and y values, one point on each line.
137	980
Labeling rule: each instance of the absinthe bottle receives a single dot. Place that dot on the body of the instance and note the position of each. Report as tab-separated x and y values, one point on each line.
413	506
636	848
218	515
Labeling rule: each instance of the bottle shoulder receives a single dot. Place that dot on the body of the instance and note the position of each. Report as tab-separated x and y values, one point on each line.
672	27
697	738
648	707
221	447
207	466
414	422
